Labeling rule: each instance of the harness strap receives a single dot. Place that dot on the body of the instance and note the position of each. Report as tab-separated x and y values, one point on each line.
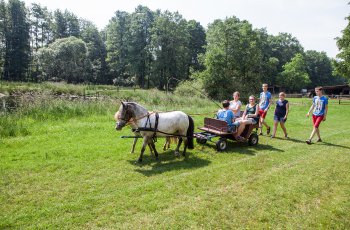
154	137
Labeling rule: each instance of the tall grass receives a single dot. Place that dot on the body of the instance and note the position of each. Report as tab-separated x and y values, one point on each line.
42	102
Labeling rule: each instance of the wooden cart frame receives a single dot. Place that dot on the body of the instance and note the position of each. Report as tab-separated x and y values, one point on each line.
218	128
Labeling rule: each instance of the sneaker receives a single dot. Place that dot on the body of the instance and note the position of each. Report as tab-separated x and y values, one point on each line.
308	141
272	136
240	138
319	140
286	137
268	130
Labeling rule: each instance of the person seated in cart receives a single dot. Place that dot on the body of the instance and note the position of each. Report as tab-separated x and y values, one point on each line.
250	117
227	115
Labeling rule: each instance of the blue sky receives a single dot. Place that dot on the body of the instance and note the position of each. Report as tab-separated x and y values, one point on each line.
315	23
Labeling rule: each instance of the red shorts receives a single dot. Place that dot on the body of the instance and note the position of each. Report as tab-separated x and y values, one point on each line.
317	120
262	113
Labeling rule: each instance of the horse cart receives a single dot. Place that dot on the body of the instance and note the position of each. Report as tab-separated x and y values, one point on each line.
218	128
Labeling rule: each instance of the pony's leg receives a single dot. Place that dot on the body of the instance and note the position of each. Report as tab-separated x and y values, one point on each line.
150	146
154	149
185	143
166	144
178	147
144	144
133	145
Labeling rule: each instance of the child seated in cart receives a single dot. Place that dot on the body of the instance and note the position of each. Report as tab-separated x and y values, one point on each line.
250	117
226	114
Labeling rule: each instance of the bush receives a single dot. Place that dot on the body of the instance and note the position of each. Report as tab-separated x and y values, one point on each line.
190	88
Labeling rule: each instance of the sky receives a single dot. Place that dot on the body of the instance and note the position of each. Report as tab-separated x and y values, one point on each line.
315	23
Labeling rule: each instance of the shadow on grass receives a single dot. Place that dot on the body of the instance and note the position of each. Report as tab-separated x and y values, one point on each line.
168	162
334	145
288	139
244	148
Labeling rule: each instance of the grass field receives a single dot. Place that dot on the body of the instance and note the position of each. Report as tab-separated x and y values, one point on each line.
77	173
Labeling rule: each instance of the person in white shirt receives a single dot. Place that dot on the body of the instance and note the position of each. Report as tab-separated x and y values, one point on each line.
235	105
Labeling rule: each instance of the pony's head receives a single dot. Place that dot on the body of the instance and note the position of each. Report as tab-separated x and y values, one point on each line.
123	116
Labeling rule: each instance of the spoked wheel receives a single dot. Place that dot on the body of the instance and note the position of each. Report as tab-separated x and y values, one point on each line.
221	144
253	139
201	141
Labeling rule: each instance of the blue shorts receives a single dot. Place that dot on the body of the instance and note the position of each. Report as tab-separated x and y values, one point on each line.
279	119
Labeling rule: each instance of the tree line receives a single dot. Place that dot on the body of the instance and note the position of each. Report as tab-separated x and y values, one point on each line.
148	49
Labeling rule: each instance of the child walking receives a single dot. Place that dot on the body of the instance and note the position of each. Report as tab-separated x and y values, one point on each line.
281	114
320	109
264	105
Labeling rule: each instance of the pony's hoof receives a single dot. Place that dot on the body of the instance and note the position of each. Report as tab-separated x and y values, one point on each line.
177	154
139	161
157	158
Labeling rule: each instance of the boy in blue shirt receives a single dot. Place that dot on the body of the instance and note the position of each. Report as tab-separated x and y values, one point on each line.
264	105
319	114
226	114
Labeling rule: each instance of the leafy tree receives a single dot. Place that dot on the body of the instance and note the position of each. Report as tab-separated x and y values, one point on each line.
196	44
170	39
73	26
294	77
3	31
284	47
268	66
117	47
65	59
97	52
17	42
342	65
139	48
319	69
40	20
233	58
60	26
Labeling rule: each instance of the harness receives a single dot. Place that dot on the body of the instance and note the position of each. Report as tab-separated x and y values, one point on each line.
148	123
155	129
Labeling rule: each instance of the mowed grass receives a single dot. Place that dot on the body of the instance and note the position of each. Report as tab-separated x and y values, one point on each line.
77	173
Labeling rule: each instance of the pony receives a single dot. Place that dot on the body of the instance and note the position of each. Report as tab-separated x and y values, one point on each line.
151	125
168	140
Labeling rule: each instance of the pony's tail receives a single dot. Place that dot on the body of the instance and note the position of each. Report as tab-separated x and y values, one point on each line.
189	133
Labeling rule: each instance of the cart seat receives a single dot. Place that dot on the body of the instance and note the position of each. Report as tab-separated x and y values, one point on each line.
215	126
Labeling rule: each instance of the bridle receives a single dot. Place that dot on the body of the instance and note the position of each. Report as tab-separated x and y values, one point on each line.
128	116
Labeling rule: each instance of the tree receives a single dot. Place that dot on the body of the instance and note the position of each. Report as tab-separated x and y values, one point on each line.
65	59
60	26
196	44
3	32
342	65
117	48
40	20
139	48
233	58
319	68
284	47
97	53
294	77
17	36
170	39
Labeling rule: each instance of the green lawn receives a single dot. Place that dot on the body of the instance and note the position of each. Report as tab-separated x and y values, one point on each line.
77	173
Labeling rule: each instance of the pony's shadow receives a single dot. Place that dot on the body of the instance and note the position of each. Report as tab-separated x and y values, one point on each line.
168	162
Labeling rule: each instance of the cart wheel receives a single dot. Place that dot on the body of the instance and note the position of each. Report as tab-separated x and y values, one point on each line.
201	141
221	144
253	139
